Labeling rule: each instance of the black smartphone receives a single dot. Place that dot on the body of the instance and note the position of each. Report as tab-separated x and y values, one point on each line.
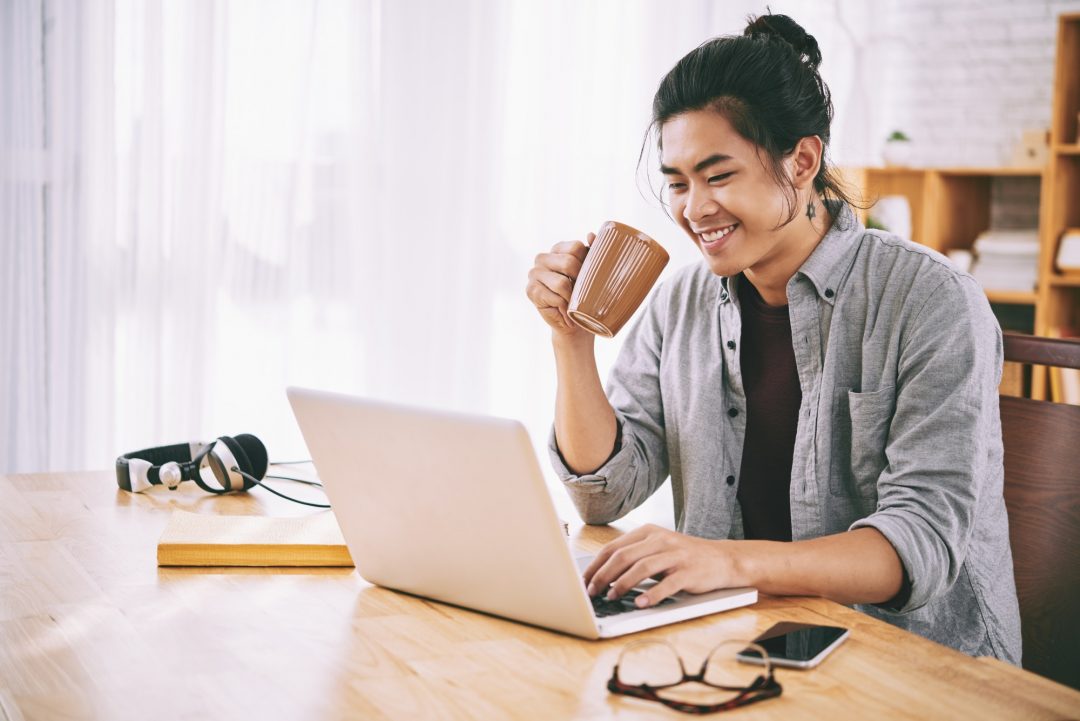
796	645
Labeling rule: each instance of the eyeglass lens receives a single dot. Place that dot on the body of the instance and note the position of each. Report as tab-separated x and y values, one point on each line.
720	678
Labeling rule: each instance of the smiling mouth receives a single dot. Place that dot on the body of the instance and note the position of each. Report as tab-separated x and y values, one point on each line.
713	237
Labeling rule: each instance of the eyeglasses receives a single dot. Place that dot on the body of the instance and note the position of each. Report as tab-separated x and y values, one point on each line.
646	669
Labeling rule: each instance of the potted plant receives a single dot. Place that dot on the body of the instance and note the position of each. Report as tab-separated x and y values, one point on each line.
897	150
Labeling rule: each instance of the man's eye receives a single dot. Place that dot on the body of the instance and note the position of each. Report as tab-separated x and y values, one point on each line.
722	176
675	187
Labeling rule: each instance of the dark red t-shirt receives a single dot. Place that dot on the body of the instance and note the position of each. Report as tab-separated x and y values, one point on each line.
773	394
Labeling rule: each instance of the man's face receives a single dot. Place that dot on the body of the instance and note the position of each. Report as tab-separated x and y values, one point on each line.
722	192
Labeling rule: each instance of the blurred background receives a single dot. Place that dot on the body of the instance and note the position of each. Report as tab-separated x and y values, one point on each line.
204	202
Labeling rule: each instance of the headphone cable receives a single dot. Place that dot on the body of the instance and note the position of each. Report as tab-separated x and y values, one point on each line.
298	480
256	481
290	478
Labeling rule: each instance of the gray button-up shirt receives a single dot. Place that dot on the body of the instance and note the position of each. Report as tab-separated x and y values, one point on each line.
899	358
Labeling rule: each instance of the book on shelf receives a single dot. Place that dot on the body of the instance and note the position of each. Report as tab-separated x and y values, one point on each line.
1068	252
1007	260
1012	243
196	539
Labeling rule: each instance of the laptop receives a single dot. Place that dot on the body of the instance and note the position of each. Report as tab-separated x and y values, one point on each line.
454	508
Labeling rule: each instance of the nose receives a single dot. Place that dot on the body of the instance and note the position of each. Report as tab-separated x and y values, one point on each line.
699	204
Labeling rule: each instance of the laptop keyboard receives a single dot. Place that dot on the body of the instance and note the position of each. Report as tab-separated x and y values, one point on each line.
603	607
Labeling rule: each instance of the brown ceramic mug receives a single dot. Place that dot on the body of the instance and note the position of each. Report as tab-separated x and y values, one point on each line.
619	270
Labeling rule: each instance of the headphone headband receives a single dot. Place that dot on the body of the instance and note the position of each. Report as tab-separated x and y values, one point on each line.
138	470
230	460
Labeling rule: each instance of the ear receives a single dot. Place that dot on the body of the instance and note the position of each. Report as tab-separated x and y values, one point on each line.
805	161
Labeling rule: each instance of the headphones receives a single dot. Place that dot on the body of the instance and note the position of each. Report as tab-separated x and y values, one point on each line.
227	464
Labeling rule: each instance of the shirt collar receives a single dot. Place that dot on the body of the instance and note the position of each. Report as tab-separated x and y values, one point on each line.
833	256
829	262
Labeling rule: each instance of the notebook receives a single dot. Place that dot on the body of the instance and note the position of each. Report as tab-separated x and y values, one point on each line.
454	507
195	539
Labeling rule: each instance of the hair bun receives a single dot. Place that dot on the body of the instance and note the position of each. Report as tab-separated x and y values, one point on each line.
786	29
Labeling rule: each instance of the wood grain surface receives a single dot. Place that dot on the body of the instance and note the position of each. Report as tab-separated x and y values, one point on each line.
91	628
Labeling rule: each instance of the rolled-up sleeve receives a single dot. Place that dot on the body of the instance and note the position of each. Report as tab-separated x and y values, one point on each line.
639	462
937	449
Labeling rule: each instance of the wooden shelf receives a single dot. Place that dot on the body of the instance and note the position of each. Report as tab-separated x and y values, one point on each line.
950	207
1058	307
1065	281
1012	297
1002	172
993	172
892	169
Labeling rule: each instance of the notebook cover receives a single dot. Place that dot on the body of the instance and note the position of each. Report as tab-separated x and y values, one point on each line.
195	539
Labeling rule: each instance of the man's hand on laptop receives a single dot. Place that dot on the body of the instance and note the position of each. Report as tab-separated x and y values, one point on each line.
677	561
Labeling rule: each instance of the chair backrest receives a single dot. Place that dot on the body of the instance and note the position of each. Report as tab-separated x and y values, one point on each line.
1042	494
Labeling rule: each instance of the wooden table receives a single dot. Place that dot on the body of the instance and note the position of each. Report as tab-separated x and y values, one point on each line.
90	627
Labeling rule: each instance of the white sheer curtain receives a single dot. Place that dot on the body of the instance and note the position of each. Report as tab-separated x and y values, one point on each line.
204	202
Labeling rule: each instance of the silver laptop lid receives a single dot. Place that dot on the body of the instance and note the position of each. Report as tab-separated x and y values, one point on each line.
445	505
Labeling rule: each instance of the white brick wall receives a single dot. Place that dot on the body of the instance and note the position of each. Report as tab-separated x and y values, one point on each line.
962	78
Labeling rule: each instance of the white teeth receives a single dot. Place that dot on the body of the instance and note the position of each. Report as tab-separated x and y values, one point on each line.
715	235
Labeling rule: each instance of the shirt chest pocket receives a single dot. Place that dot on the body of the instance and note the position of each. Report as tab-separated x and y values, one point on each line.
863	421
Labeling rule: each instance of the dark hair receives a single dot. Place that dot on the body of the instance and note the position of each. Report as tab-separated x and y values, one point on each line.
766	83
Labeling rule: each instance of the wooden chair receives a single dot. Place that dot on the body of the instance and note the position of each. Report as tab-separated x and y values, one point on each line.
1042	495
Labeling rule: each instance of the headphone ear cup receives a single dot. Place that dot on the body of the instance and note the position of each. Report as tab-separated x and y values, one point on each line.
250	454
255	452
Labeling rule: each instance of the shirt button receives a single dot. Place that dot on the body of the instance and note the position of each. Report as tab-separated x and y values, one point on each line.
731	480
733	412
731	344
829	293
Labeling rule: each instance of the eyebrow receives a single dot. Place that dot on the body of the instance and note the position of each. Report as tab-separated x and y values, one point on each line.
711	160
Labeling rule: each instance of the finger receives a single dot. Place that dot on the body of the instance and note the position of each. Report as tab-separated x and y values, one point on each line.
569	264
554	281
543	296
618	563
551	306
627	539
651	565
589	574
597	563
671	585
582	250
573	247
